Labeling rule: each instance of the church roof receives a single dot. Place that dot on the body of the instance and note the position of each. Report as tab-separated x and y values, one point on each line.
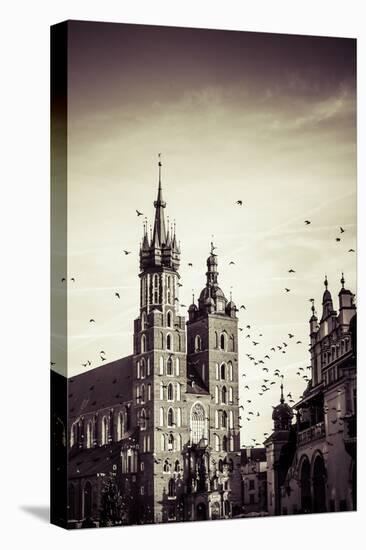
104	386
89	462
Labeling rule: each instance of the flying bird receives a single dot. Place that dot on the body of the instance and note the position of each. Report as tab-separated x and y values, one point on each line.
307	222
242	307
190	265
338	239
239	202
92	321
287	289
72	279
341	229
139	213
351	250
117	294
127	252
291	271
231	263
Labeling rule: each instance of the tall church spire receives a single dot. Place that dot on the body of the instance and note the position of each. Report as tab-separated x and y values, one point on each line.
159	233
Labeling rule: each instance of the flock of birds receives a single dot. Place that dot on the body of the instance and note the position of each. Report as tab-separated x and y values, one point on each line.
267	376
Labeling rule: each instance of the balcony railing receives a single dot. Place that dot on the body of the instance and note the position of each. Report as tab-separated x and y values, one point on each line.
310	434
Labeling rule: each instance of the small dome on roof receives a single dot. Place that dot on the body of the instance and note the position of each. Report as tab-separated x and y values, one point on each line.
192	307
231	305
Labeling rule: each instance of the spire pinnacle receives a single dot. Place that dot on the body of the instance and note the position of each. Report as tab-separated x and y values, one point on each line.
282	400
159	236
326	282
342	280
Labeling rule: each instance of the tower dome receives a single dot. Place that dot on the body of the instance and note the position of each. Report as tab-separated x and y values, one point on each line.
282	414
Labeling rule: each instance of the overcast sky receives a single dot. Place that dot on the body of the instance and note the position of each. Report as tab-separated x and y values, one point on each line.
267	119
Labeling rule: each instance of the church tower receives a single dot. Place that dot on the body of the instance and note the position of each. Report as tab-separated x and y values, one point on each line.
159	379
212	363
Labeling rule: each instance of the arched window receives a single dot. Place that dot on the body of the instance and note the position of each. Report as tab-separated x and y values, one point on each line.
223	394
217	371
156	289
197	343
161	391
148	367
223	371
230	369
138	372
170	417
71	503
223	341
171	488
221	466
169	342
224	443
216	340
104	438
224	419
179	418
231	420
216	394
232	338
143	368
161	416
170	442
161	365
120	426
230	395
177	466
149	392
198	423
216	419
170	392
89	435
74	434
217	442
169	290
143	343
143	320
231	443
87	500
177	366
166	467
143	393
162	340
178	391
162	442
169	319
179	442
169	366
143	422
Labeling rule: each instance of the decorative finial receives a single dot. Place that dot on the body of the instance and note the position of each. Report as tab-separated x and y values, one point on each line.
192	296
150	233
231	294
312	305
212	246
342	280
282	400
326	282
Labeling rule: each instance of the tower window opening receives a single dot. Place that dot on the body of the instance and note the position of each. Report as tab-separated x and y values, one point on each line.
223	371
170	418
169	367
222	342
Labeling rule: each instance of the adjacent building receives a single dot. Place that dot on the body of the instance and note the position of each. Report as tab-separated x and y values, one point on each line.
312	463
